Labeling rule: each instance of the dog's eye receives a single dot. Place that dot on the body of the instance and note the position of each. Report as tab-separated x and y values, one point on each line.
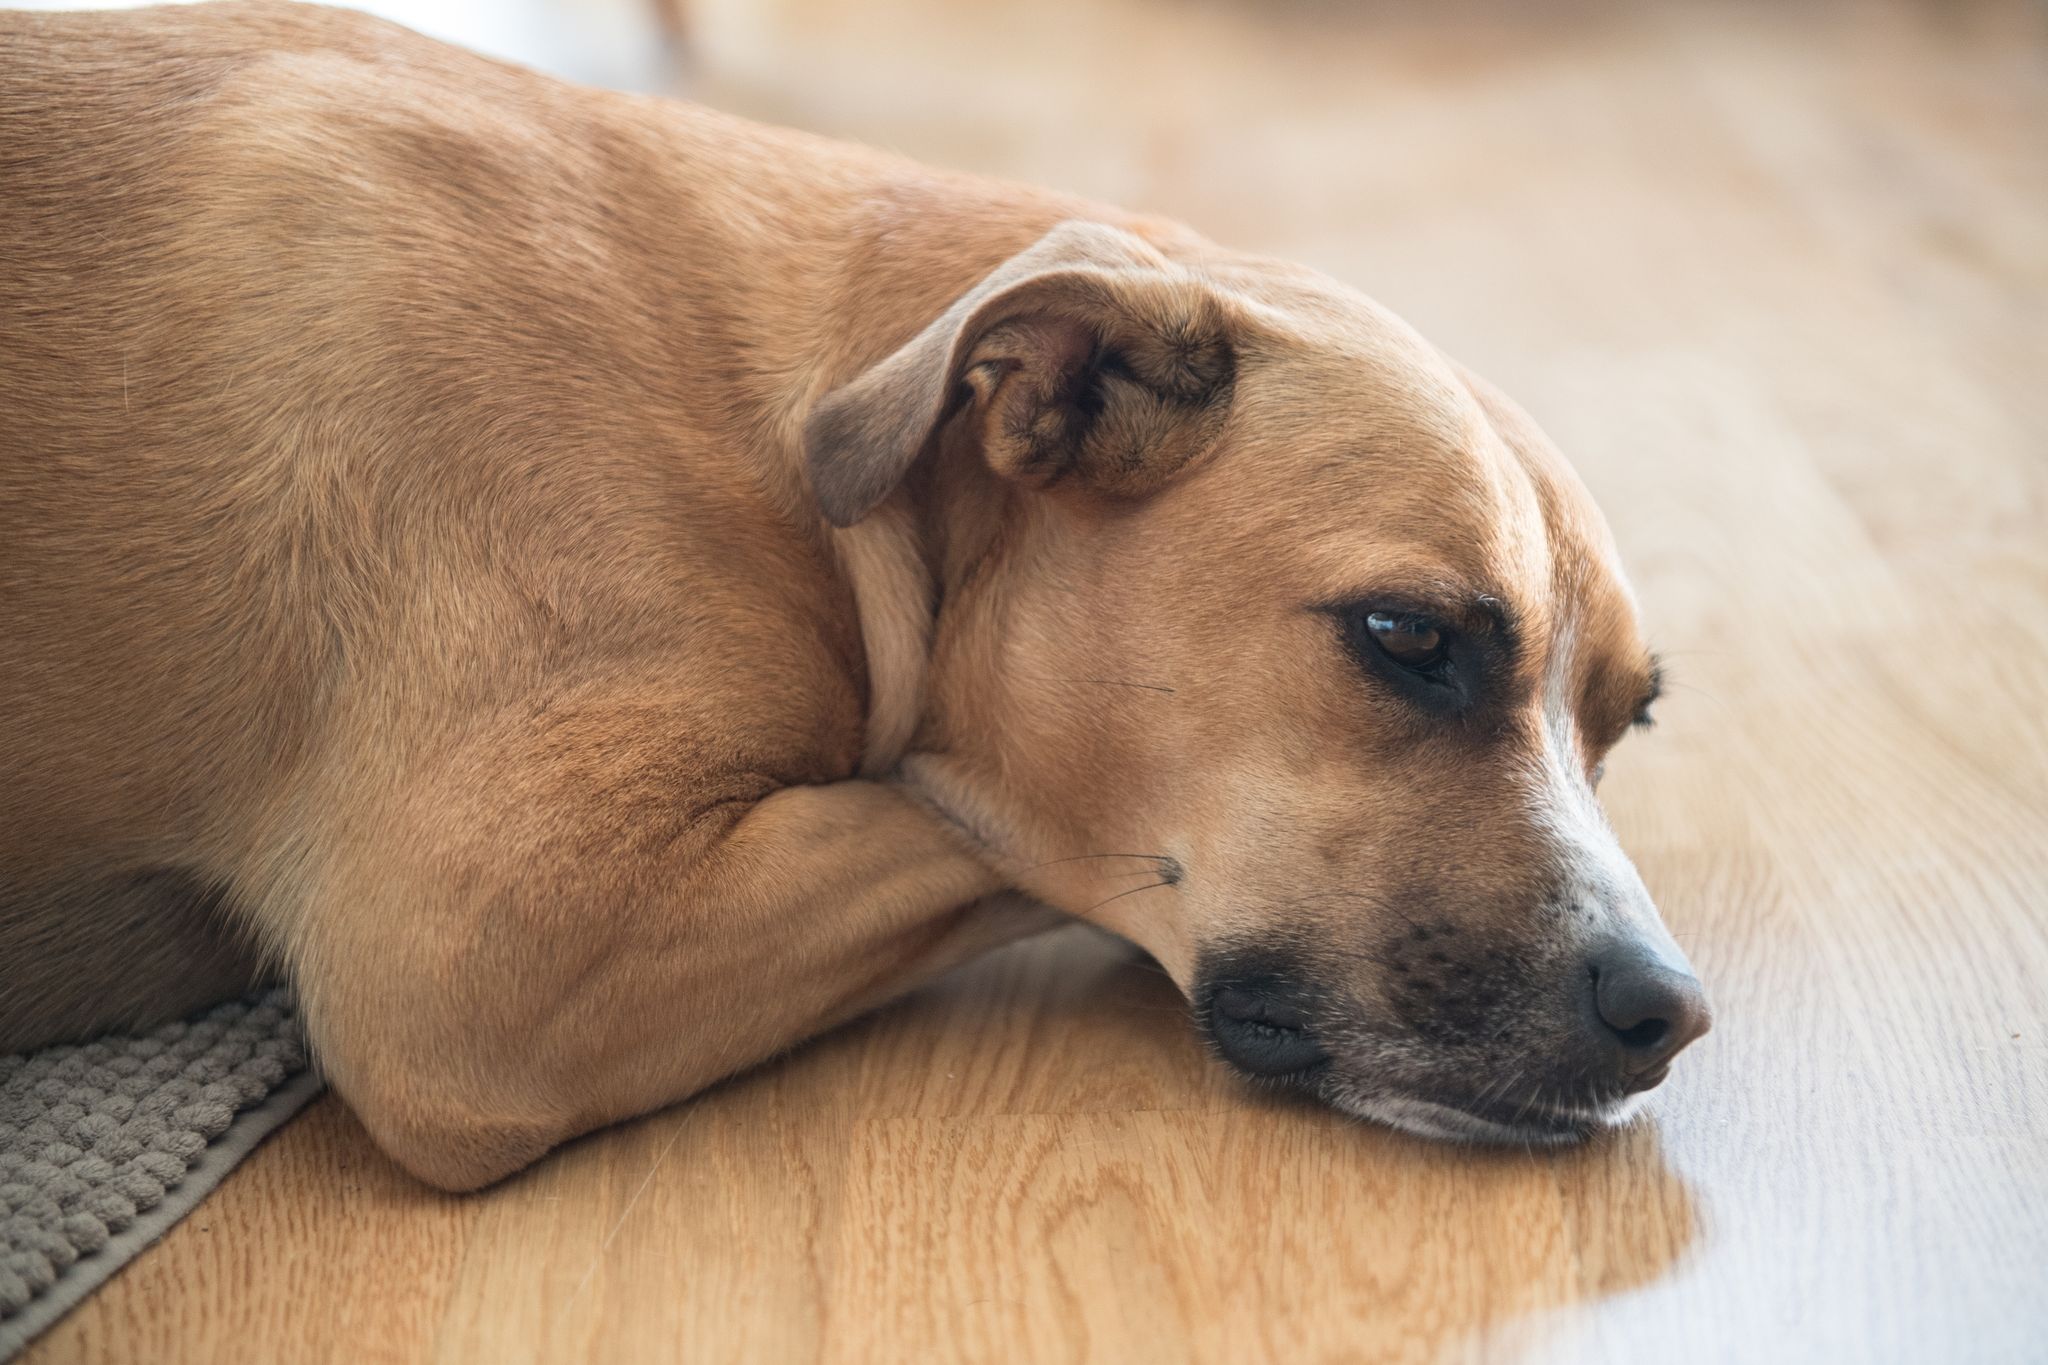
1414	642
1418	656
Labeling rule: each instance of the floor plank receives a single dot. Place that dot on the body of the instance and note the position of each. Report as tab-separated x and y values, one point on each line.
1777	277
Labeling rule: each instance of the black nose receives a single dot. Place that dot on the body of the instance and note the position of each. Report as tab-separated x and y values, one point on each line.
1261	1026
1648	1010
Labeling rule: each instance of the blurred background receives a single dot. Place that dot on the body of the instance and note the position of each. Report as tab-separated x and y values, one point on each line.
1438	154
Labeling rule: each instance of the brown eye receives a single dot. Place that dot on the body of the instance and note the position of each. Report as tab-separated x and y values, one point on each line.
1411	641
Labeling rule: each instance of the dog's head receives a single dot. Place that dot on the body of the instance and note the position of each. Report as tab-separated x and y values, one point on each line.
1274	642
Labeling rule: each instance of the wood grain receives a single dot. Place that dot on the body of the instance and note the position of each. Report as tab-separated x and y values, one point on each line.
1777	277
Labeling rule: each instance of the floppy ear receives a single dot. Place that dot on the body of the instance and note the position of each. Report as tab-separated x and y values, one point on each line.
1088	357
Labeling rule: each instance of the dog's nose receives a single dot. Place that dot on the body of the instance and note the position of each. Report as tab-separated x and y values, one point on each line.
1648	1010
1261	1026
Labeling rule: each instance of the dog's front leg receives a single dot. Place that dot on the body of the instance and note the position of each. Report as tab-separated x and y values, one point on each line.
495	969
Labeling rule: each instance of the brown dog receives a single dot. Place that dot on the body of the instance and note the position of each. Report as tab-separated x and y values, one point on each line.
596	591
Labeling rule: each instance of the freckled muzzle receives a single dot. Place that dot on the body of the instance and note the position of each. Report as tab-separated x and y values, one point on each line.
1472	1044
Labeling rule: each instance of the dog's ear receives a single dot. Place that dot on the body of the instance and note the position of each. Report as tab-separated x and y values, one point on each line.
1088	358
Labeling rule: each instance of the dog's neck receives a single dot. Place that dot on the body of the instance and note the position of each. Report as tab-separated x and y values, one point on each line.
893	593
910	253
921	553
909	245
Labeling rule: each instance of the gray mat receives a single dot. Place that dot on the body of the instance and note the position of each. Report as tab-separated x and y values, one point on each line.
105	1145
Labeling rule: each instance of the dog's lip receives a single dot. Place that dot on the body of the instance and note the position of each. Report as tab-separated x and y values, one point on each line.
1517	1123
1649	1080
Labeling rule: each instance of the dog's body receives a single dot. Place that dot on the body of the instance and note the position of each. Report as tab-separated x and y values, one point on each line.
413	578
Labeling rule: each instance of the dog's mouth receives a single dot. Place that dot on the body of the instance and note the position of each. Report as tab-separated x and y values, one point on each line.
1261	1025
1534	1120
1524	1125
1542	1056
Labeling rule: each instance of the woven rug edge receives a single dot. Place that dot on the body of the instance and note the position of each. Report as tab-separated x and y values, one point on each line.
221	1156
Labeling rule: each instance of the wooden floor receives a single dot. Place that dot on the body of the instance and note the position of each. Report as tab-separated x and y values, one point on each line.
1778	279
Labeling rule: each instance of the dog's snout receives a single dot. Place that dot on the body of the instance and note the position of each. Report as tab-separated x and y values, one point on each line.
1646	1010
1261	1026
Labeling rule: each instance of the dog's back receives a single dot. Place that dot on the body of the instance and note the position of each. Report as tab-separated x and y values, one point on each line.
113	739
341	388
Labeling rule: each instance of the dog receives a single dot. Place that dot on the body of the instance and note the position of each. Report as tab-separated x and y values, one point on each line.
593	592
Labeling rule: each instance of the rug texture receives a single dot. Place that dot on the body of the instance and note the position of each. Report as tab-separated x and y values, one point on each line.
105	1145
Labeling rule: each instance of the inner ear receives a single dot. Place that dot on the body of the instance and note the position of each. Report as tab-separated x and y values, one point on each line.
1088	360
1037	387
1114	384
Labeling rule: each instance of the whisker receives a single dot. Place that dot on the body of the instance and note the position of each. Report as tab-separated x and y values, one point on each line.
1534	1098
1084	857
1117	682
1499	1089
1149	886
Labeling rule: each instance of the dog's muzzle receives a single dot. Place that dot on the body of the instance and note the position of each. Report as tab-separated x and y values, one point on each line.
1630	1013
